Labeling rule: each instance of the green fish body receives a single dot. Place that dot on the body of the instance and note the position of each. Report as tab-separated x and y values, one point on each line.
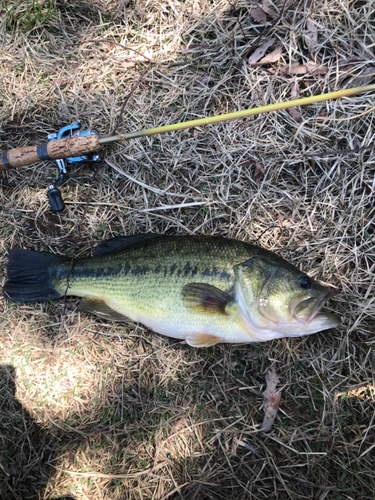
202	290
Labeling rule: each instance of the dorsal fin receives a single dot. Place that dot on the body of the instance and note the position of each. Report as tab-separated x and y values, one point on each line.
100	308
115	245
205	298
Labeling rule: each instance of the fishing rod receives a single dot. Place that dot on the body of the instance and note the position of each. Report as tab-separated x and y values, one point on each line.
75	145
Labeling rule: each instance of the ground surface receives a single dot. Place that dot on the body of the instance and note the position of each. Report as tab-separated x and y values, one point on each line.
94	410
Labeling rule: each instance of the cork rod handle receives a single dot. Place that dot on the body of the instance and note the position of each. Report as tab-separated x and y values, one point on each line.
53	150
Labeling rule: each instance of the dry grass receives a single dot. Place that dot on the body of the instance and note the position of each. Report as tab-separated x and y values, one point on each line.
95	410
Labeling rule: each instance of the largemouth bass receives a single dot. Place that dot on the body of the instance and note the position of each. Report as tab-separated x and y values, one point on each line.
204	290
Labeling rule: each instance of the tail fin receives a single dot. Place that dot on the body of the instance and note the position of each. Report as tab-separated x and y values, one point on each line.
29	276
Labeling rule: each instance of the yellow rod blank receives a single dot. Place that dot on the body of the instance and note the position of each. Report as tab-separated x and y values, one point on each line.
238	114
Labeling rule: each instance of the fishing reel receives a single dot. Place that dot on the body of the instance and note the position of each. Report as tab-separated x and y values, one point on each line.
54	194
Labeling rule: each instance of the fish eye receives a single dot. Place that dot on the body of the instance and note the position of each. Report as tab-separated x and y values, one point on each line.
304	282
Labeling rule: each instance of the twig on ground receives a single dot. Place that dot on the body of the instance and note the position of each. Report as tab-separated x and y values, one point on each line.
136	84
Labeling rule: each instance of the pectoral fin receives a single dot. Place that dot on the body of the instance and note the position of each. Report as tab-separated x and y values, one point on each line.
204	298
202	340
100	308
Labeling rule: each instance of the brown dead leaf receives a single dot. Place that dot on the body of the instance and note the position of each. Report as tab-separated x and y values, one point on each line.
123	3
295	69
140	349
180	426
177	425
302	69
63	108
311	36
259	171
59	83
272	57
260	51
252	356
258	15
202	81
317	69
348	69
271	400
127	63
246	163
295	114
364	77
193	47
71	306
294	94
10	471
267	7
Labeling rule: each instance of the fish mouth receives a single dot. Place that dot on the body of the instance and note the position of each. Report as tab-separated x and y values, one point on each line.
308	308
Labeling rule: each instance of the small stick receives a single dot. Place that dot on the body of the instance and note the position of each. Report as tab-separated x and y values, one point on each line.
119	119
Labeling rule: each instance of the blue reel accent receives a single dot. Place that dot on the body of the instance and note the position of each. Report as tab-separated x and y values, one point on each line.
73	130
54	194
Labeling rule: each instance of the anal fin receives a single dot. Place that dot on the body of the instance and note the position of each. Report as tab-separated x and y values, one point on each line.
202	339
100	308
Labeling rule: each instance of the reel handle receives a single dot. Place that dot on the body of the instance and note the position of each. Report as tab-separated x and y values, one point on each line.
51	150
55	199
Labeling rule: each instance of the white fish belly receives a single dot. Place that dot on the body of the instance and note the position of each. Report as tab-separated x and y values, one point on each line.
169	316
180	328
